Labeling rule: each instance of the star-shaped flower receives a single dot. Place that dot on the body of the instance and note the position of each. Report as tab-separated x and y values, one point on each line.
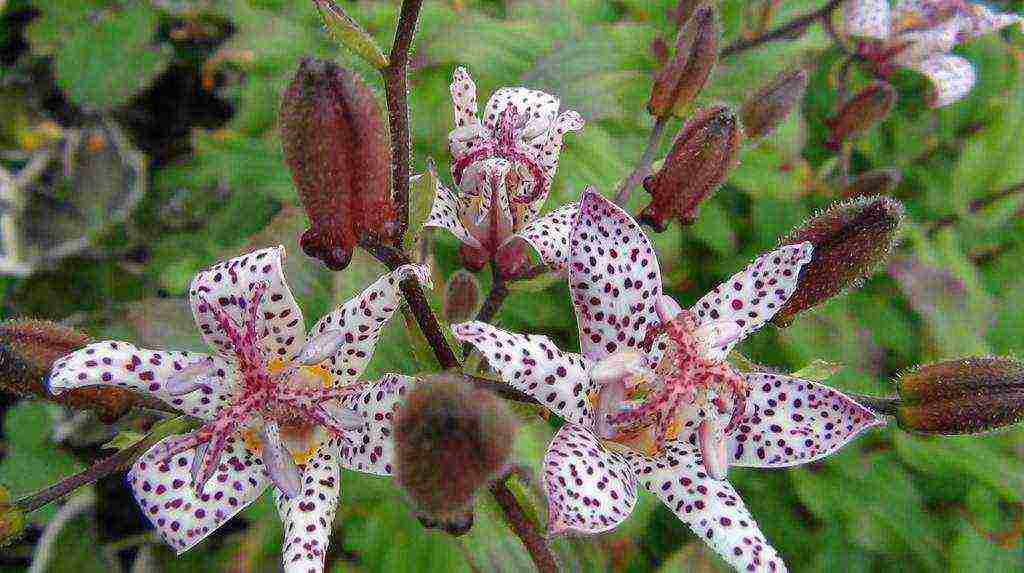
502	164
919	34
279	408
651	401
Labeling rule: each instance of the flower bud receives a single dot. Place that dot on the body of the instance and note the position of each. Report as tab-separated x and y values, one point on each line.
769	107
28	349
860	114
962	396
850	240
12	519
682	79
700	160
451	440
461	297
335	144
875	182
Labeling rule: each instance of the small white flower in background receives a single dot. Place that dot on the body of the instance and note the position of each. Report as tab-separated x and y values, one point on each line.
651	400
919	34
503	164
281	408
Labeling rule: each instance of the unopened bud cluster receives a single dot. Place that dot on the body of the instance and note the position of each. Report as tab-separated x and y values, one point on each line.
962	396
704	152
850	240
335	144
28	349
461	297
451	440
678	83
763	112
860	113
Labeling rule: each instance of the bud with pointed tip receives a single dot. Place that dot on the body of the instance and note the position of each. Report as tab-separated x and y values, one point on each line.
701	157
451	440
335	144
683	77
461	297
875	182
769	107
860	113
28	349
962	396
850	239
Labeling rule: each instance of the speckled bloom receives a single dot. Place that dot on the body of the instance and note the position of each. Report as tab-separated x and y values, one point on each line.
651	401
919	34
279	408
502	164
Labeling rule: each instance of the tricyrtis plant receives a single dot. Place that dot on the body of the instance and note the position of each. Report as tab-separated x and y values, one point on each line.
657	399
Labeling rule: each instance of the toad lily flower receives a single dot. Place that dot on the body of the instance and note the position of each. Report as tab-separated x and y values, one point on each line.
650	401
502	165
919	34
280	408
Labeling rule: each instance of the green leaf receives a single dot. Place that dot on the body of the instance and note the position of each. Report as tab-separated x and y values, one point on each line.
421	198
123	439
351	35
818	371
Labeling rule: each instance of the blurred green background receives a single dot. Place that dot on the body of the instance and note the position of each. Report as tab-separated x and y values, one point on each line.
195	87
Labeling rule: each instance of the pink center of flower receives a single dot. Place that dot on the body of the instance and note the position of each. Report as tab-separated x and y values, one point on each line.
293	399
504	143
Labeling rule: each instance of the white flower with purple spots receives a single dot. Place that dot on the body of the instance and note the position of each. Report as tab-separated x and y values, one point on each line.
919	34
280	408
502	164
651	401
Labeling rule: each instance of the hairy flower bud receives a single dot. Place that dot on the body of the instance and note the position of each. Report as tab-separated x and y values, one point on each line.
461	297
962	396
451	440
850	239
684	76
336	146
769	107
700	160
28	349
875	182
860	113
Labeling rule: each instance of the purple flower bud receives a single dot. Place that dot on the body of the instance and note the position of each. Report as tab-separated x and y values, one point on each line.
682	79
850	240
461	297
769	107
451	440
700	160
962	396
876	182
860	113
335	144
28	350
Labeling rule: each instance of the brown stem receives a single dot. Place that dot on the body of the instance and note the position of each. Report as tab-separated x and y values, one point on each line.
501	389
535	544
791	29
490	307
396	92
643	167
977	205
393	258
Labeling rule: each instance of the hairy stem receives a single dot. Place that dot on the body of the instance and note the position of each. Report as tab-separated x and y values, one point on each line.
524	528
789	30
396	92
643	167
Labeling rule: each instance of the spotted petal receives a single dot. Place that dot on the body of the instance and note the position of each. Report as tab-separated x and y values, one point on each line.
613	278
363	318
308	517
547	148
446	213
534	365
790	421
589	489
867	18
146	371
539	108
712	508
952	78
372	449
464	106
549	235
165	494
229	284
752	296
